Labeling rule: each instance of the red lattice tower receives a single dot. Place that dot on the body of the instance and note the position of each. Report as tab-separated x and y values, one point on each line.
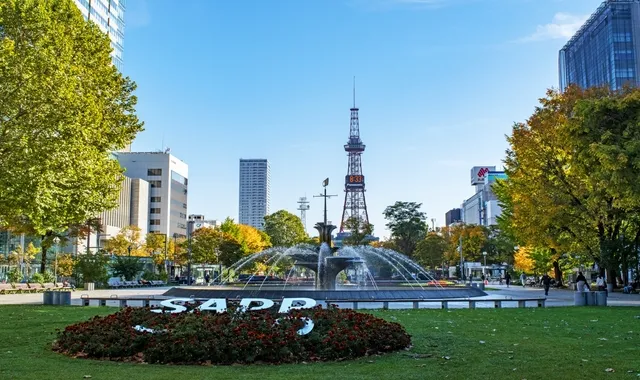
355	205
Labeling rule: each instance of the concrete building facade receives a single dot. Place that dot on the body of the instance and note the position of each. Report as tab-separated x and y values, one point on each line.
168	189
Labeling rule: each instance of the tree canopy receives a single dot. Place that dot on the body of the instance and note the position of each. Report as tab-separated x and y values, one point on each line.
284	229
63	108
407	225
358	229
573	172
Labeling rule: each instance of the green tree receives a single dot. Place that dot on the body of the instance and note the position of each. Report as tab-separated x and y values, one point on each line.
92	267
430	251
500	246
212	245
573	173
63	108
127	267
284	229
359	231
407	225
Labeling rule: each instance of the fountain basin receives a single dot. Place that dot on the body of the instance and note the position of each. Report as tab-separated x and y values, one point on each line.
320	295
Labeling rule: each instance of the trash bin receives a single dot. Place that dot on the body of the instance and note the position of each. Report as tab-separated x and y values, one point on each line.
601	298
590	298
579	299
47	297
64	298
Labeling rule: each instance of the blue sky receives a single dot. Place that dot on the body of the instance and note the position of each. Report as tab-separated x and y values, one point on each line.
439	84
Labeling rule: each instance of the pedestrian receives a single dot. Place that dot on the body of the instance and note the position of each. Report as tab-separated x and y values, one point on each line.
507	279
207	278
602	286
523	279
546	283
581	283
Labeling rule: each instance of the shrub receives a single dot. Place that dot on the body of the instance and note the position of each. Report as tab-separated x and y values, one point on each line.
37	278
48	277
231	337
15	275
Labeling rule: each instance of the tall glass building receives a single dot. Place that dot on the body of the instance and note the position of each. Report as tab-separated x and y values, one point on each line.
109	16
606	48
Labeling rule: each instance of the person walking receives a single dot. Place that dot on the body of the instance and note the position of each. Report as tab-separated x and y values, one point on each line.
523	279
507	279
546	283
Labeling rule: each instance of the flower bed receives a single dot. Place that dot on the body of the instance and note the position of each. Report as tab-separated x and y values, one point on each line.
231	337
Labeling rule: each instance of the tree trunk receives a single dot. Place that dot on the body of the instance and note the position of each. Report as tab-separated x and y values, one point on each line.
557	273
611	277
43	260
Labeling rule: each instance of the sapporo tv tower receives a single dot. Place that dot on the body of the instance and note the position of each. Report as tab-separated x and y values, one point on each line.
355	205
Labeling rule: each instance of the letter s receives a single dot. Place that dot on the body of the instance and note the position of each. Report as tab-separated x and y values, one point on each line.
176	308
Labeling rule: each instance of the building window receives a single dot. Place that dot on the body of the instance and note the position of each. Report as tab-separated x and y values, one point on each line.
155	211
156	199
155	172
156	184
155	222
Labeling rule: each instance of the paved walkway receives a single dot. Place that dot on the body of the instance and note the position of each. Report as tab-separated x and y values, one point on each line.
556	297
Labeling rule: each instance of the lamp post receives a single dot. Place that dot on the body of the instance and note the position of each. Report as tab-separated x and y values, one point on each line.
56	240
461	261
485	258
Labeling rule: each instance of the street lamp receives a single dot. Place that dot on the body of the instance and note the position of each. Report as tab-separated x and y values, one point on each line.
485	258
56	240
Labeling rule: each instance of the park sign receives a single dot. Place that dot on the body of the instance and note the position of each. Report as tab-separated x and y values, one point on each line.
219	305
478	173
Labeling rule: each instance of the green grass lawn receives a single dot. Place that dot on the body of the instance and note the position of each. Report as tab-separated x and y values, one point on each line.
552	343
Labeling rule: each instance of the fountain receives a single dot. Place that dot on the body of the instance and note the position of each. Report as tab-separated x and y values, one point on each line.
327	262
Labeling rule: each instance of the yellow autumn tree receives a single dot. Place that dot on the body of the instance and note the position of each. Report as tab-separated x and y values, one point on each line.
522	260
253	239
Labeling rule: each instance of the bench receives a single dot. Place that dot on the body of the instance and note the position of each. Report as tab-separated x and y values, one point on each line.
122	302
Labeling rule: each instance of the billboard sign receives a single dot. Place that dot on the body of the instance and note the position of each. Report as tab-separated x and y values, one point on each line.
478	174
492	177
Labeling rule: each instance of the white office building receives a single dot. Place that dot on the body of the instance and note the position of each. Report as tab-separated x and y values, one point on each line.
168	182
483	207
255	185
109	16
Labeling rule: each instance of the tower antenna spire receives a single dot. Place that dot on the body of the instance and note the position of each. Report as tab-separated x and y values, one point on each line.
354	91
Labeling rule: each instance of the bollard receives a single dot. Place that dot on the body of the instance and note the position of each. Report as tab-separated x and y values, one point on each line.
579	299
64	298
601	298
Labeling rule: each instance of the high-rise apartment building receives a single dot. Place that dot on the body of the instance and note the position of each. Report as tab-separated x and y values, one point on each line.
255	184
109	16
168	183
605	50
